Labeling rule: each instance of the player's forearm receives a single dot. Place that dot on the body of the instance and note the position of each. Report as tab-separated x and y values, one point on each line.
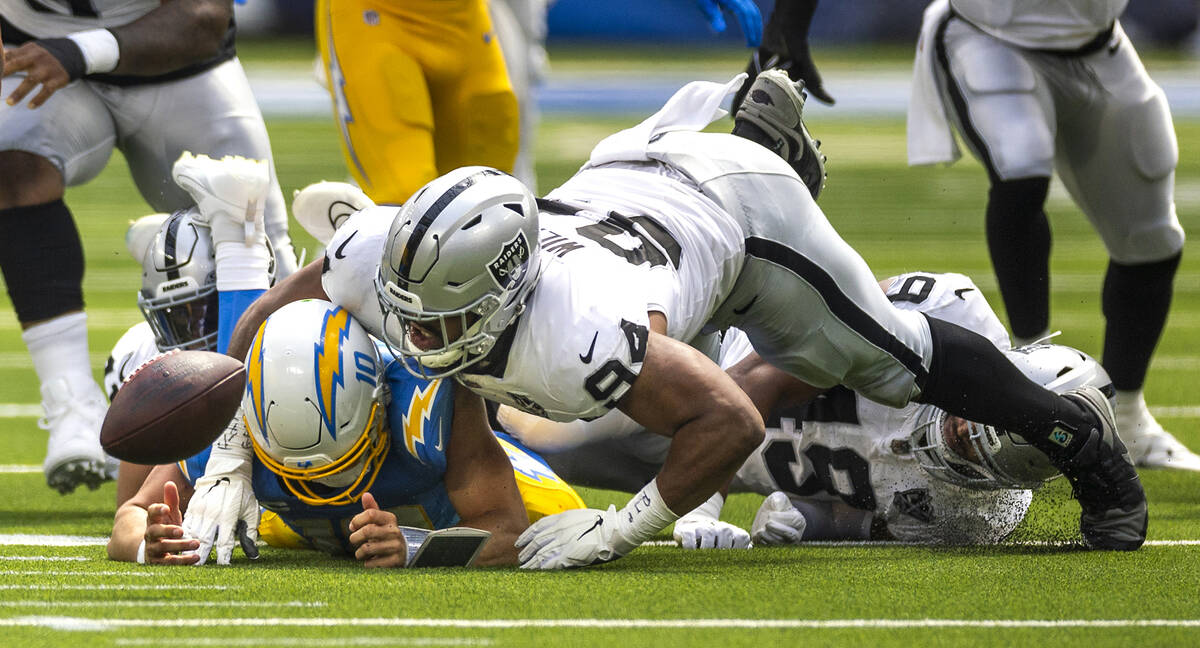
704	456
305	283
129	529
175	35
500	550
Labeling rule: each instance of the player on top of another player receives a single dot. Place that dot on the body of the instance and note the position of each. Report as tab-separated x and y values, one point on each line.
81	79
331	418
841	467
580	303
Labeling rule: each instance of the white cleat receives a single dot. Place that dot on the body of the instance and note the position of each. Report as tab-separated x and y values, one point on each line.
73	452
232	188
1150	446
323	206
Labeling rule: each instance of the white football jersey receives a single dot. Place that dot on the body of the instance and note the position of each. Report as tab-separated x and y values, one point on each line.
1041	24
135	348
54	18
842	447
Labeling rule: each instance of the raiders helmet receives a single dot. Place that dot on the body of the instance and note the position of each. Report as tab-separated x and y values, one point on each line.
461	255
316	402
1004	459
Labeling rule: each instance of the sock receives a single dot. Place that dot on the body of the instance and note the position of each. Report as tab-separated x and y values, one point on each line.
59	349
1018	237
1136	301
42	259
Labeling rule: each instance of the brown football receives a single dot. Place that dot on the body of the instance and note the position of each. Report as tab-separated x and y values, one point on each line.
173	407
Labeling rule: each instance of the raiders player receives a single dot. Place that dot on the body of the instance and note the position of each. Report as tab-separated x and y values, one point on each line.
1039	87
842	467
147	77
668	235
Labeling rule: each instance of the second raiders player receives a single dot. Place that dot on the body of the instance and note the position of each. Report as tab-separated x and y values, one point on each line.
841	467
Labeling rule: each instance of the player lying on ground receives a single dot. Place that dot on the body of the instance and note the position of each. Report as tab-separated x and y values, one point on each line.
841	467
582	302
349	447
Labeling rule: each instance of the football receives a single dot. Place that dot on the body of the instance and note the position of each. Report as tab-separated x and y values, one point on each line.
173	406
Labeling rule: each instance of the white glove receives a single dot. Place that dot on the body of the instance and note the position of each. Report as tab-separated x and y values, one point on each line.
703	529
582	537
223	511
777	522
323	206
231	196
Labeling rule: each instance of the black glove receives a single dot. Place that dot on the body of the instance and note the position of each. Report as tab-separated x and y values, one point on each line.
785	46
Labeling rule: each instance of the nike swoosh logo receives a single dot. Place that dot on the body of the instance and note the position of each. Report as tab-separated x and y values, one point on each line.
599	521
337	254
587	359
743	309
438	447
961	291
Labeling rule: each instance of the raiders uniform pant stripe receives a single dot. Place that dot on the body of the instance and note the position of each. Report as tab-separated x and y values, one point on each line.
839	303
170	241
960	102
431	214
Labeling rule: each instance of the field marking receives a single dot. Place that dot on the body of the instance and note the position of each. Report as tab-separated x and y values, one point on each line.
40	572
46	558
142	603
894	543
36	540
291	641
89	588
84	623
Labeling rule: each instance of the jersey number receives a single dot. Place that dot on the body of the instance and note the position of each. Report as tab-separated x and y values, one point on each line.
612	374
780	455
79	8
655	244
915	289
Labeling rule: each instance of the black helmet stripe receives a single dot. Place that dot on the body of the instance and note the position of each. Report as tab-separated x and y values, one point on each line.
170	241
431	214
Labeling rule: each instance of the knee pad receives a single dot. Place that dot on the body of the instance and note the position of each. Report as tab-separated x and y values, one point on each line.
41	257
1154	149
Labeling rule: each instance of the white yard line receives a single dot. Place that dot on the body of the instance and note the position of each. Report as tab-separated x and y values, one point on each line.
170	604
293	641
78	623
46	558
50	572
88	588
891	543
35	540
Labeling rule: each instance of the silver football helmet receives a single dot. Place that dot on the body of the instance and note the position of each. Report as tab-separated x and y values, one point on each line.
316	402
459	262
179	279
992	458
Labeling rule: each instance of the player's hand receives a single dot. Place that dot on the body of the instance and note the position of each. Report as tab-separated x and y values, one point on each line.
698	531
574	538
40	68
747	14
223	511
377	537
777	522
166	542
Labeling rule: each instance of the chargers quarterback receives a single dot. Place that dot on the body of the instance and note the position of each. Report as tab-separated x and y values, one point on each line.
348	447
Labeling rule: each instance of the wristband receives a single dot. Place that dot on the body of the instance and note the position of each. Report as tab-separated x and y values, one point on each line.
141	553
644	516
710	509
68	53
100	50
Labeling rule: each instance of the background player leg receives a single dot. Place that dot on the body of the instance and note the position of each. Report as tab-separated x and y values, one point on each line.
1018	237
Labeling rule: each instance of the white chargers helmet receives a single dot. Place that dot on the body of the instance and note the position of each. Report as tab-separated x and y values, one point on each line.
1003	459
461	256
316	402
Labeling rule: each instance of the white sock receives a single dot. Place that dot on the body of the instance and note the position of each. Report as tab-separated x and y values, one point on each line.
59	349
1130	408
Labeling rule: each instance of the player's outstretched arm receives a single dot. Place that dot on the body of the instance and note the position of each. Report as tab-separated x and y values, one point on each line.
154	515
480	482
305	283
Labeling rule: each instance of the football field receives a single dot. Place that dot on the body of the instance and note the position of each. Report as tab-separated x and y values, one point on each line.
57	587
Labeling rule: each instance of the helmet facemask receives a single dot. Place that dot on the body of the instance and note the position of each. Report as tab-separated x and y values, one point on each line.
979	470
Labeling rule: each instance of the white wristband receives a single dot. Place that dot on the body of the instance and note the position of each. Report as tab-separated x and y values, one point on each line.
141	553
645	515
101	53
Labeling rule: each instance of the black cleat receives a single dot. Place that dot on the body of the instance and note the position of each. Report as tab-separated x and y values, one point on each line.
1105	481
774	106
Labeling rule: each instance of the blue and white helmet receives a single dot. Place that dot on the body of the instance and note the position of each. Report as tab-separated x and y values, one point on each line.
1004	459
316	402
463	249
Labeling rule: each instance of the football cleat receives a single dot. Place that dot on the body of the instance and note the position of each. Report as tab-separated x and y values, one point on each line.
774	109
1150	446
73	453
232	188
1104	480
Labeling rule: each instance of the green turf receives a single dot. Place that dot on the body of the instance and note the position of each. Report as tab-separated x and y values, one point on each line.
900	219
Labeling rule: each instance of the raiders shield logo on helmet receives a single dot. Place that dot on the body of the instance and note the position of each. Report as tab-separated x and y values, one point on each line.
509	266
